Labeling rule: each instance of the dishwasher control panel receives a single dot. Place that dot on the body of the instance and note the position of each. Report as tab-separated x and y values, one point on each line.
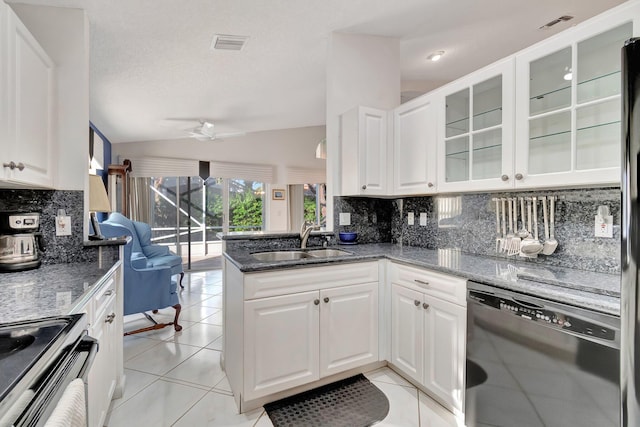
539	313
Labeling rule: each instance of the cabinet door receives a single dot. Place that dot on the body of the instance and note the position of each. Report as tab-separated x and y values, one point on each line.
475	149
407	330
348	327
102	377
569	109
363	134
444	350
281	338
414	147
30	108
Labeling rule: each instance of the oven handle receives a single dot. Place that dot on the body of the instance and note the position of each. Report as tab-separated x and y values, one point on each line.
91	345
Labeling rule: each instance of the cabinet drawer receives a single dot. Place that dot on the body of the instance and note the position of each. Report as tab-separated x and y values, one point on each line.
444	286
104	296
282	282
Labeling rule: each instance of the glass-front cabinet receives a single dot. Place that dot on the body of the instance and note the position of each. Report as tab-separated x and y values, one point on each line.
476	134
569	109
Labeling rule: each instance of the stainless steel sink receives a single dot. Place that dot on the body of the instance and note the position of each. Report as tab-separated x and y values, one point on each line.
327	252
293	255
280	255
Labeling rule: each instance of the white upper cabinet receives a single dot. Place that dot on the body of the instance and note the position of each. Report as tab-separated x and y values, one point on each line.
27	144
568	105
363	138
414	147
475	130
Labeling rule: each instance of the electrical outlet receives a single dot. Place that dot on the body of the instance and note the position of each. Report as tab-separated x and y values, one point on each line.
410	218
423	219
345	218
63	226
604	226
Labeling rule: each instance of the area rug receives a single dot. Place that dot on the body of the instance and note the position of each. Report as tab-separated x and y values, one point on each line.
352	402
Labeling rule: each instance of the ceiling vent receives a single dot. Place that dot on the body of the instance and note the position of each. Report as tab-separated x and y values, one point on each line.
228	42
550	24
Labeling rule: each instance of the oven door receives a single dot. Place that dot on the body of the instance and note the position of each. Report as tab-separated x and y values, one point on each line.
38	402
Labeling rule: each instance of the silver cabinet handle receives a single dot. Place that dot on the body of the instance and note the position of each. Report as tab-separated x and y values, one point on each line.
417	303
519	176
11	165
110	318
326	299
425	305
430	184
422	282
364	187
505	177
316	301
20	166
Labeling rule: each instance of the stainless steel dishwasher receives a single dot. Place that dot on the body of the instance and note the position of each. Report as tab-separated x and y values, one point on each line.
534	362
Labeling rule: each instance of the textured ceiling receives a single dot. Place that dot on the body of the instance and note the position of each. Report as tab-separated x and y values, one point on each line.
151	62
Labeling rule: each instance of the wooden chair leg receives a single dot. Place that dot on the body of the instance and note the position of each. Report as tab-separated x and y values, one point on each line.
181	277
178	308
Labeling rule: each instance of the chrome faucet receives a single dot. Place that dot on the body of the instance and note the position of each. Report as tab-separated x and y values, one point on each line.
305	230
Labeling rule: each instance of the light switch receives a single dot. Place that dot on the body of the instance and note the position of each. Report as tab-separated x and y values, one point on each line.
410	218
423	218
345	218
63	226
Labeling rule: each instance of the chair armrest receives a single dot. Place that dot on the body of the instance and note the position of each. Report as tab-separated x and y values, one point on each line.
138	261
114	230
156	250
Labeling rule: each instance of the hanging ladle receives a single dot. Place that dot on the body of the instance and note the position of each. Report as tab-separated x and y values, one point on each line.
550	243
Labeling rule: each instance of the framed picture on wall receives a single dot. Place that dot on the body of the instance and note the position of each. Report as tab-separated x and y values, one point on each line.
277	194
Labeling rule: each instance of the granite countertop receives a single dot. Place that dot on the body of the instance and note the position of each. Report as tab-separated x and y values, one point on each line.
595	291
51	290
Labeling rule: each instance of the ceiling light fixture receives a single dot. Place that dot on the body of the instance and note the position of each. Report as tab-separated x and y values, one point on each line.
558	20
435	56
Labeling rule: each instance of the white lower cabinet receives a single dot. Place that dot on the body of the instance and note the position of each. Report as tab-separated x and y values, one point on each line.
293	340
292	328
106	375
428	340
281	343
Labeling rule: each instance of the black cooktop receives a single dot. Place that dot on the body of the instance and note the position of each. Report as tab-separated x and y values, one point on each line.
23	344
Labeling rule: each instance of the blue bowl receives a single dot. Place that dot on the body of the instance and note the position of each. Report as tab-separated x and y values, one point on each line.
347	236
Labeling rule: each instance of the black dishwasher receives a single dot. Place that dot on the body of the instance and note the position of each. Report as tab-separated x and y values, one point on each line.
535	362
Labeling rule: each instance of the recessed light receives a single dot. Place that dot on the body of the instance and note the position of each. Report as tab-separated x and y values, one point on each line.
435	56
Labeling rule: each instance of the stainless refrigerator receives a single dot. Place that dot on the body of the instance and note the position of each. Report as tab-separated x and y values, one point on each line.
630	302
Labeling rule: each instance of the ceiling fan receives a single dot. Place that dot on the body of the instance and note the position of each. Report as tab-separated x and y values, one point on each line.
206	132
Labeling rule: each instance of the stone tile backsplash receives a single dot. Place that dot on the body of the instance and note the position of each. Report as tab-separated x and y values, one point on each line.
467	222
58	249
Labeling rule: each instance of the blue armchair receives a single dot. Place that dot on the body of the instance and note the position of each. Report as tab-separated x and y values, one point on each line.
148	269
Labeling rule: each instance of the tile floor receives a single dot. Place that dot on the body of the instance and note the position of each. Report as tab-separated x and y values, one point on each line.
175	379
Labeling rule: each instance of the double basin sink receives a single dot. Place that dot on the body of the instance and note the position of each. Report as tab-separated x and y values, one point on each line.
299	254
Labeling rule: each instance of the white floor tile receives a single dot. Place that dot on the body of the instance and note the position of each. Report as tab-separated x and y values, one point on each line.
214	319
264	421
160	404
197	312
217	344
434	415
213	301
215	410
199	334
134	383
202	368
134	345
162	358
223	386
386	375
403	405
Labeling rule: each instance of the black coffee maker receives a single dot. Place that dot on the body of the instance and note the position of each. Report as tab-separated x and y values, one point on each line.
20	241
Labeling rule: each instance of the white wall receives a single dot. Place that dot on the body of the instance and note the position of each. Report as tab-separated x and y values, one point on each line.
64	35
276	211
361	70
281	148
